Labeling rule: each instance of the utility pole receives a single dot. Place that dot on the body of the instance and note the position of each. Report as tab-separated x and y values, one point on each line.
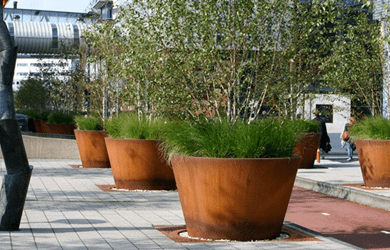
17	177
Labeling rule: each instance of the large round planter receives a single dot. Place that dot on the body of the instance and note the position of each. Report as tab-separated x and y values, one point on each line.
236	199
92	148
307	149
38	126
138	164
60	129
374	162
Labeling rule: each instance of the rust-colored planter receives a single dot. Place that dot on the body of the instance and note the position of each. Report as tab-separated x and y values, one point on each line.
237	199
60	129
44	127
38	126
138	164
92	148
307	149
374	162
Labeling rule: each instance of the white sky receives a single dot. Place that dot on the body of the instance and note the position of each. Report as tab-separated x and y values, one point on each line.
56	5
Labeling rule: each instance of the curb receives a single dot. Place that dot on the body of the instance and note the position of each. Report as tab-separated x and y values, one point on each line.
348	193
318	235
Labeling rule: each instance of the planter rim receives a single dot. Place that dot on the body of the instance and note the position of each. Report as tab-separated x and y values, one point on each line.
238	159
124	139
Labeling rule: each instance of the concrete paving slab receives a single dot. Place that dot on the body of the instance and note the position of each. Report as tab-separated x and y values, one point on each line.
66	210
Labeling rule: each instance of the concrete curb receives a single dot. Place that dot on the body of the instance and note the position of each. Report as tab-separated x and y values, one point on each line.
348	193
49	148
318	235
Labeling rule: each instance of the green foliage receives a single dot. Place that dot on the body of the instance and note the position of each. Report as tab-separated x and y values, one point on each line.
190	59
375	128
60	118
266	138
306	126
52	88
88	123
132	126
352	63
35	114
105	50
32	94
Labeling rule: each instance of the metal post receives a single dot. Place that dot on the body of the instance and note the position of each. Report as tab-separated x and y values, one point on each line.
17	178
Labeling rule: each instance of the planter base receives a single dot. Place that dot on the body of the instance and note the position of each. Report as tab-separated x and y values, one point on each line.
93	164
146	185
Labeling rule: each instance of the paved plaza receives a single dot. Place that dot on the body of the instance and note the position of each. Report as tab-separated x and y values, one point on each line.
65	209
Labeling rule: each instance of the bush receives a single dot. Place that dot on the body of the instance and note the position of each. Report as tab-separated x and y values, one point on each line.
35	114
32	95
60	118
88	123
375	128
131	126
266	138
306	126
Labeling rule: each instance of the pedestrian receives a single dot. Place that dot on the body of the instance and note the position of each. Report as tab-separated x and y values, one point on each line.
346	140
325	146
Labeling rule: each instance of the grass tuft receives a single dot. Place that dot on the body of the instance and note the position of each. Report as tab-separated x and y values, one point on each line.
269	138
60	118
88	123
130	126
374	128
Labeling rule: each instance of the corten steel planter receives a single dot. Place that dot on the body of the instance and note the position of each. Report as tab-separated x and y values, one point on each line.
237	199
38	126
138	164
374	162
60	129
307	149
92	148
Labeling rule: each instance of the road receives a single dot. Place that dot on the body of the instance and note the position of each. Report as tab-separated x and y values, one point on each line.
357	224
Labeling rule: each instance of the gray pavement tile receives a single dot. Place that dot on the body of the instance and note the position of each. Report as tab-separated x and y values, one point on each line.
197	246
66	210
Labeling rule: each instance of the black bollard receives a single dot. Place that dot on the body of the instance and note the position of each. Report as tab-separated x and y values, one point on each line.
17	178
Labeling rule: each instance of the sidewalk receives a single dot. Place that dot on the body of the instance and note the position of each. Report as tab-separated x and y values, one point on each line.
65	209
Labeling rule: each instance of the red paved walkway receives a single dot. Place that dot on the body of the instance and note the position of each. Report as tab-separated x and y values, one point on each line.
354	223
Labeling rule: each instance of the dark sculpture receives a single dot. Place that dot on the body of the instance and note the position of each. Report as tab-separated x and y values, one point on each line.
17	178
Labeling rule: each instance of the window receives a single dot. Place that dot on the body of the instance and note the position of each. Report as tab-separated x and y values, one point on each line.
35	64
326	112
22	74
22	64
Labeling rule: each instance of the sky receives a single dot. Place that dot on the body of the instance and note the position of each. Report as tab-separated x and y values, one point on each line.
56	5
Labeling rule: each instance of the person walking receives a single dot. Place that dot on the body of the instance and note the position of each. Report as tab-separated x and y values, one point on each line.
346	140
325	146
